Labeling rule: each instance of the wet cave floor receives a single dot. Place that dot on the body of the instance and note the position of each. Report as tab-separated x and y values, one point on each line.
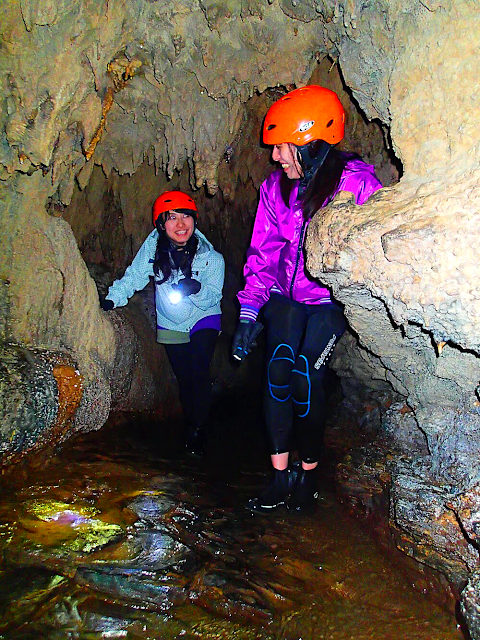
122	536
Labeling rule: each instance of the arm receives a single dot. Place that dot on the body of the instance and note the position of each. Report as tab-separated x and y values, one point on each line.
367	186
136	275
263	254
359	178
211	279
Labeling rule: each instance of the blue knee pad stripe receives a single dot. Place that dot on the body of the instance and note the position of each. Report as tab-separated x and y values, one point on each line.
272	386
305	373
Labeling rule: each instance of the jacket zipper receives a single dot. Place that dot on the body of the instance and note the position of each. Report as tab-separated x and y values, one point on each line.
300	247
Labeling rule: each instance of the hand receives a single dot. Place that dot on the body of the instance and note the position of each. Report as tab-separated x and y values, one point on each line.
187	286
244	338
107	305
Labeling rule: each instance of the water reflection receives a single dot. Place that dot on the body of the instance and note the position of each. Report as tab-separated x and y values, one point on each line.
114	541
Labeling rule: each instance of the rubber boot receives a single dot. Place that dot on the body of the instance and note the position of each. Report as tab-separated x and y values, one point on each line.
304	491
275	494
195	441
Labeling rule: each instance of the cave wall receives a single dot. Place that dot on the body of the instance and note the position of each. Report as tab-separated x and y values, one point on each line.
145	89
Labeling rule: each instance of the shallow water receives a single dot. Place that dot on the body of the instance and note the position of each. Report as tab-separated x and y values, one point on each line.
122	536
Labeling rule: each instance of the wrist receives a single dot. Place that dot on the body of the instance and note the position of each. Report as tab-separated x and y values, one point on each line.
248	313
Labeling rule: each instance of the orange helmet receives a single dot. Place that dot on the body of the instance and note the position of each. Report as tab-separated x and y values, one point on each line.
173	200
303	115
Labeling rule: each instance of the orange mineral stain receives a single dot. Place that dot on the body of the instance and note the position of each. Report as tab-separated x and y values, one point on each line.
70	389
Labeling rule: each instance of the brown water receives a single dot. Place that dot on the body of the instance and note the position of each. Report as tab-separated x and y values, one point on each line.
123	537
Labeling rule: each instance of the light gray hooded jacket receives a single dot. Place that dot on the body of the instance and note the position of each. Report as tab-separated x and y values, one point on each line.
208	267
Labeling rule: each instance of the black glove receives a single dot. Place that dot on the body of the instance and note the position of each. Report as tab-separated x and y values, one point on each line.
107	305
187	286
244	338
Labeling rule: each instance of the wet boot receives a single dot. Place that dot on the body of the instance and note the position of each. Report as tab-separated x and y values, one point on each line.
304	491
195	441
275	494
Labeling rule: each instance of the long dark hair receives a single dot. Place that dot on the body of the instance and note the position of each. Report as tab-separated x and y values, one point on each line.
169	257
324	182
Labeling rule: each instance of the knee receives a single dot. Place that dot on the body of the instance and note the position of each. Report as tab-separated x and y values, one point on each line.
300	388
301	385
280	372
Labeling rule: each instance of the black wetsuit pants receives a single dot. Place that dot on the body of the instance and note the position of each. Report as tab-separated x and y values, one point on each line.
300	338
191	366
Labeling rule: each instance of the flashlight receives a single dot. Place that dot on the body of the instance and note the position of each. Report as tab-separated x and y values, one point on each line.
175	297
248	341
239	354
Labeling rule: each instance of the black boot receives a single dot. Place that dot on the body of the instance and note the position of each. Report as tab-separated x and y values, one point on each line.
275	494
304	491
195	441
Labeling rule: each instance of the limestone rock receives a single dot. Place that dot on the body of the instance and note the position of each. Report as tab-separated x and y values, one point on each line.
405	303
470	605
426	525
401	430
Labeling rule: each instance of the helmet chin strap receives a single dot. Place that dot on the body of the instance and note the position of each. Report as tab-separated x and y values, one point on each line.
310	165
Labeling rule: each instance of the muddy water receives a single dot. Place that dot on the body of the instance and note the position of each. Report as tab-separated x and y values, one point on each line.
122	536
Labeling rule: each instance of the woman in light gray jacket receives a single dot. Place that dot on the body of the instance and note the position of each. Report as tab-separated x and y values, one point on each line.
189	277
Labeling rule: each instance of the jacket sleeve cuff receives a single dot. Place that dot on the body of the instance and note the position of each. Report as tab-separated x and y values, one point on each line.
249	313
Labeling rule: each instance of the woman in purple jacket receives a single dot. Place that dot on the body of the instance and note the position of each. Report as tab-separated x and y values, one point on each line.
303	323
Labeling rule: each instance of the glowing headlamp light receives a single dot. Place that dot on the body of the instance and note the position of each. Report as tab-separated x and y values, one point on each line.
175	297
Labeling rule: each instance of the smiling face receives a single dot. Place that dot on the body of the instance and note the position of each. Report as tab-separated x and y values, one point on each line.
286	154
179	227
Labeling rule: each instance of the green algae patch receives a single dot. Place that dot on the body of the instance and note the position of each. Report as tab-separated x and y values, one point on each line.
66	527
55	510
95	536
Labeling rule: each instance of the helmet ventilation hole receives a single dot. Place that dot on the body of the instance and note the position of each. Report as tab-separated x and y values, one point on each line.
329	124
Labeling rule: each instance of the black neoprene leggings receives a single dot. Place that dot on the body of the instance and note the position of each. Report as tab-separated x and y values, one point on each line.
191	366
300	338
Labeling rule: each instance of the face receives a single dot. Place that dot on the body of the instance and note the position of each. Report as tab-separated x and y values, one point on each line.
286	154
179	227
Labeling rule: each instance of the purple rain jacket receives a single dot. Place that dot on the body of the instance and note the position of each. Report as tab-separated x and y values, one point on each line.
275	258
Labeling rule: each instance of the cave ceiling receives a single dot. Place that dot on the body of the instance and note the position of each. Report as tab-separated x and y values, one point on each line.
166	81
